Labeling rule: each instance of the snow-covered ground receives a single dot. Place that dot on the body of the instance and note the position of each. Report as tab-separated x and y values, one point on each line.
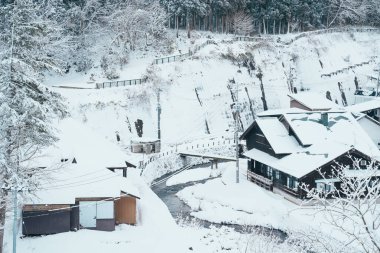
193	175
222	200
156	231
187	116
196	105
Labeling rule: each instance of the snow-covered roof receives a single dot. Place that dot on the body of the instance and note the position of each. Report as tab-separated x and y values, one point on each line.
342	134
277	135
277	112
365	106
144	140
313	101
89	177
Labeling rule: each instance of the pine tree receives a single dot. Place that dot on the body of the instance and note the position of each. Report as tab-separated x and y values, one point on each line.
31	44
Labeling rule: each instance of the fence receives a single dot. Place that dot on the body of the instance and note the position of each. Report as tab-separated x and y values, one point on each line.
250	39
173	58
350	67
333	30
120	83
166	59
306	34
180	57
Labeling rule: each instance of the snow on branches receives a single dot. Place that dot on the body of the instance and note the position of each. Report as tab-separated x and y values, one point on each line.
349	201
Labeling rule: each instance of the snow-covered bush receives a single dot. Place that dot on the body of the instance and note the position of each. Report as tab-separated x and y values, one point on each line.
108	63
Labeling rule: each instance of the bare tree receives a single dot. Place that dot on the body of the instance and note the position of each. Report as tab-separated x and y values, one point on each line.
348	11
242	23
348	199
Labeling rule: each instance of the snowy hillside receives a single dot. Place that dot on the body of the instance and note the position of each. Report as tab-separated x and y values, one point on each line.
196	95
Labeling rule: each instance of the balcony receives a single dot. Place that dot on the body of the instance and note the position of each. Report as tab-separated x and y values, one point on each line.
260	180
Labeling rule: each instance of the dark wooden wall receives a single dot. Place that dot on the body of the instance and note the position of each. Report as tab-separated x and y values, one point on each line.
45	222
296	104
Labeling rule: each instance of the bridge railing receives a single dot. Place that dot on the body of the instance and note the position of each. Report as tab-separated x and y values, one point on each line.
223	141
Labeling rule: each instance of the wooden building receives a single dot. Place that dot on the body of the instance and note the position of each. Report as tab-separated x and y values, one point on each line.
146	146
311	102
40	219
82	191
370	108
290	149
370	126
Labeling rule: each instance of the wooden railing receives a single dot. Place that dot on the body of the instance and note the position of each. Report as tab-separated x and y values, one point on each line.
120	83
260	180
287	190
172	58
183	56
166	59
250	39
333	30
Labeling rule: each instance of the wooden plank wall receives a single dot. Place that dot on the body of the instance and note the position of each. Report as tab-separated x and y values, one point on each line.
125	210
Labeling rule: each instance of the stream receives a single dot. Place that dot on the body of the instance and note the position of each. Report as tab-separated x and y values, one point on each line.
180	210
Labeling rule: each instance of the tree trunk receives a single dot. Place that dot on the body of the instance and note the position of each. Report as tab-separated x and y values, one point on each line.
216	23
188	24
176	25
274	26
288	26
2	222
264	28
210	22
222	24
279	27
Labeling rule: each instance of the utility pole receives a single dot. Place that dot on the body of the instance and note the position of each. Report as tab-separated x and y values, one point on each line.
378	81
158	115
237	130
14	218
15	193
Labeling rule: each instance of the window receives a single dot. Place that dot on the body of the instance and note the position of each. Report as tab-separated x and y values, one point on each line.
277	174
325	187
291	183
363	163
295	184
269	172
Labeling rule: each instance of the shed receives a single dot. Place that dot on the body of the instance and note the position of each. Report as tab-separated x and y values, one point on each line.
80	194
39	219
145	145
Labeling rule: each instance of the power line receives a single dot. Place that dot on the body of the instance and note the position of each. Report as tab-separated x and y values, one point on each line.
71	185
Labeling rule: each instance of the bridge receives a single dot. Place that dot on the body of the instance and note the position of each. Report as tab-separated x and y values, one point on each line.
213	158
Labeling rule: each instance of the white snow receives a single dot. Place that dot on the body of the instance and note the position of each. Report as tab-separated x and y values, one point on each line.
89	177
365	106
184	119
192	175
222	200
313	101
277	135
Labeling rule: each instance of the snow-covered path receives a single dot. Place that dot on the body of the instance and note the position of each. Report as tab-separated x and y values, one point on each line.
167	191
